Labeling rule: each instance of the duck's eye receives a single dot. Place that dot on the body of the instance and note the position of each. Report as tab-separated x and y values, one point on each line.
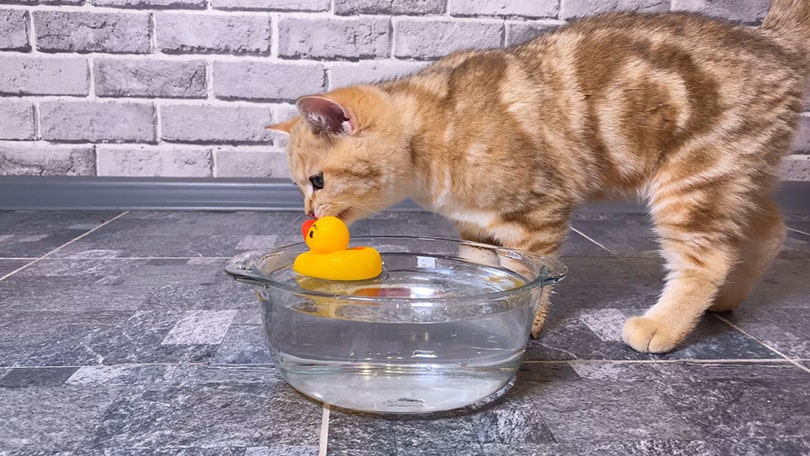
316	181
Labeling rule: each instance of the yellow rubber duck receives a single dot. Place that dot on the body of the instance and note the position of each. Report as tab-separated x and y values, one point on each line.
329	256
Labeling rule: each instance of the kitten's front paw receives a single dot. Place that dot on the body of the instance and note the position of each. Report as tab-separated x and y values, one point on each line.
647	335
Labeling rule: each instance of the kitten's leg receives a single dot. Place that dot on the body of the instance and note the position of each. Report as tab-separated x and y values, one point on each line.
474	233
543	232
700	232
542	312
764	237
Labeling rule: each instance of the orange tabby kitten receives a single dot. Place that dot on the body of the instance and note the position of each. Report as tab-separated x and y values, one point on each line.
691	113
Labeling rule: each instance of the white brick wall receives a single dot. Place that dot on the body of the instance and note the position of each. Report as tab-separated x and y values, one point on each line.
85	31
185	87
97	121
445	36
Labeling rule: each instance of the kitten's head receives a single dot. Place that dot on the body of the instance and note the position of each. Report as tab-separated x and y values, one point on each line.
348	152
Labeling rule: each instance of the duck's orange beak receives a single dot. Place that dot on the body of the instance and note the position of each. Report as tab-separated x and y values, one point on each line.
306	226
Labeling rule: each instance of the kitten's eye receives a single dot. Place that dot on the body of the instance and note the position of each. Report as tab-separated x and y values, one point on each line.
316	181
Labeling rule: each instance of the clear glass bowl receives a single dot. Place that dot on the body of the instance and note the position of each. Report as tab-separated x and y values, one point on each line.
445	325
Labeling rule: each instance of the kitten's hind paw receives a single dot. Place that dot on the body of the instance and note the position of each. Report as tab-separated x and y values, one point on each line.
647	335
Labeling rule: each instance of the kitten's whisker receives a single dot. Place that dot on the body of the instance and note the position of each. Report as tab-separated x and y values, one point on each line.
299	219
357	205
368	208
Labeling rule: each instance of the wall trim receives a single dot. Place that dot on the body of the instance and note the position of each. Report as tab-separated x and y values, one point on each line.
135	193
120	193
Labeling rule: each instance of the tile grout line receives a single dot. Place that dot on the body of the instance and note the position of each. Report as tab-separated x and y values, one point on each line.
797	231
81	236
666	361
184	364
738	329
792	361
326	428
130	258
619	257
323	438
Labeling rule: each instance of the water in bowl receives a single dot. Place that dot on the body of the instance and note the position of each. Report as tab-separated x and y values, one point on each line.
410	358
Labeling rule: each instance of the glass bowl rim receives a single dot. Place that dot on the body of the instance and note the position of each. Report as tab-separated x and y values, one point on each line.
242	268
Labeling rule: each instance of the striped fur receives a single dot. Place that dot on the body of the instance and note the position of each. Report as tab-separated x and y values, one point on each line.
690	113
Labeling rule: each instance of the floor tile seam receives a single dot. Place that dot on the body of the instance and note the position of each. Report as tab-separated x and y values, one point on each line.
795	230
323	435
134	258
789	359
77	238
2	258
131	365
27	265
668	361
614	254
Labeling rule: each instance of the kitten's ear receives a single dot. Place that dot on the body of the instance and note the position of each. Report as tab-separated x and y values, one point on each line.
284	127
323	114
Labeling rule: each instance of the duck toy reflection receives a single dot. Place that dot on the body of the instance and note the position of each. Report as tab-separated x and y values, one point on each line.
330	257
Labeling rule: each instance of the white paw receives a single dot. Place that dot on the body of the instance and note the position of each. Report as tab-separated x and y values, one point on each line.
647	335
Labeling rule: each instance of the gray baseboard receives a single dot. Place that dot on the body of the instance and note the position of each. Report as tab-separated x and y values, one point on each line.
110	193
114	193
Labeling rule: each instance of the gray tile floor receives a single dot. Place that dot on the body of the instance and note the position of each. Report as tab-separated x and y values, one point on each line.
121	335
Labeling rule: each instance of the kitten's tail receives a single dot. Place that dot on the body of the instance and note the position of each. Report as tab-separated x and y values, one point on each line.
790	19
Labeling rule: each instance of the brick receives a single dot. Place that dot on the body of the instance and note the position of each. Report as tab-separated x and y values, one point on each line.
22	159
571	9
141	77
215	124
281	113
272	5
526	8
437	38
795	168
97	121
344	74
746	11
17	119
14	30
26	75
334	38
409	7
801	142
266	80
154	161
521	32
236	162
213	33
79	31
284	112
174	4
